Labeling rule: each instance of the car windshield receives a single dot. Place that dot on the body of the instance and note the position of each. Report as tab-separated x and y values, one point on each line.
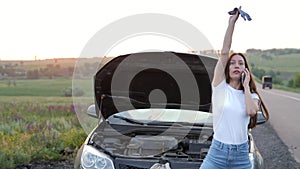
167	115
268	79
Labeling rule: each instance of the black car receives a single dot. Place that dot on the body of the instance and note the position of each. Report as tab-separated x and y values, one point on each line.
154	109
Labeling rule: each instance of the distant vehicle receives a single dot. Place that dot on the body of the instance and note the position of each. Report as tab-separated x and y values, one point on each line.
266	82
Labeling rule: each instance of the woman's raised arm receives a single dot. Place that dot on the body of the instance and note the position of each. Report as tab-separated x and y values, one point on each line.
219	75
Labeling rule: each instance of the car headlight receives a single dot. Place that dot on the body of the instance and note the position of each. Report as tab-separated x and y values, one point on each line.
93	159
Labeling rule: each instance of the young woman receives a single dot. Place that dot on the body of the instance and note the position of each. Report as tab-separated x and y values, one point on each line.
235	103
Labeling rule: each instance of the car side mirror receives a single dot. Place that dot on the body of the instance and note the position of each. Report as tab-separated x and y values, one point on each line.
260	118
91	111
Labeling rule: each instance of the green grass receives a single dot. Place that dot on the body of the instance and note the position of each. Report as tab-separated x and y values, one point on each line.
282	63
37	122
285	88
284	66
38	128
42	87
280	87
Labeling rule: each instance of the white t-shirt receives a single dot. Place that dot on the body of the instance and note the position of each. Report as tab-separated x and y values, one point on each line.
230	118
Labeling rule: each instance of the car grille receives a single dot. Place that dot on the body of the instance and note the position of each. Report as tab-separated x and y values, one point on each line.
123	166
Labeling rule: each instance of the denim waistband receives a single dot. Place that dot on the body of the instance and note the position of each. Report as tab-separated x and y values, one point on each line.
232	147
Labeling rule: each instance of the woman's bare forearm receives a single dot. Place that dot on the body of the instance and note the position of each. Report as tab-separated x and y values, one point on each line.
227	40
251	104
228	35
220	67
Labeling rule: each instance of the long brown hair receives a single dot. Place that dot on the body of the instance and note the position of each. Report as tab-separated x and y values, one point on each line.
253	89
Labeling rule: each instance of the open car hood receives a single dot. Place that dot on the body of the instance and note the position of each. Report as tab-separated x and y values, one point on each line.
154	80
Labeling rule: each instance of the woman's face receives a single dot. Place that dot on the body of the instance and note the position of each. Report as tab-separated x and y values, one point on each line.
236	67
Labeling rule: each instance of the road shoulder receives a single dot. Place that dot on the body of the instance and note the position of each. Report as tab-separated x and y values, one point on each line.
274	152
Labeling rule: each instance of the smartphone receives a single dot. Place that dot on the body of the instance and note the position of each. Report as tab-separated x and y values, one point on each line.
242	78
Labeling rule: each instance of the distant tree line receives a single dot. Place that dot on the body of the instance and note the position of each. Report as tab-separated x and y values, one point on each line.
50	71
274	51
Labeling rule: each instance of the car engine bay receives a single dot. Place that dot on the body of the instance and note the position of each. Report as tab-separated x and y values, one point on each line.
191	147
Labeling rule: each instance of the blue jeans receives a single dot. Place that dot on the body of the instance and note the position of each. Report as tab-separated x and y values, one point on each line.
227	156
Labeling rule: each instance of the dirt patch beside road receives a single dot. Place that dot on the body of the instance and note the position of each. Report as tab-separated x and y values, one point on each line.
48	165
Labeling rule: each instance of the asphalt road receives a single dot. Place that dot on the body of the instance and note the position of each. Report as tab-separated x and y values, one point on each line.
284	109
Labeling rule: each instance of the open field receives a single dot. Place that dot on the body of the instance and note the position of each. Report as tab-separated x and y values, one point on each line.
38	122
38	128
38	87
42	87
285	63
286	66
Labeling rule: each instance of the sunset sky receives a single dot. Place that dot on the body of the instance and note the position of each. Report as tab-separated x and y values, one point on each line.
61	28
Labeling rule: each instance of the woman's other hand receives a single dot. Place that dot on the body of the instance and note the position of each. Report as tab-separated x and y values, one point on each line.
247	79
